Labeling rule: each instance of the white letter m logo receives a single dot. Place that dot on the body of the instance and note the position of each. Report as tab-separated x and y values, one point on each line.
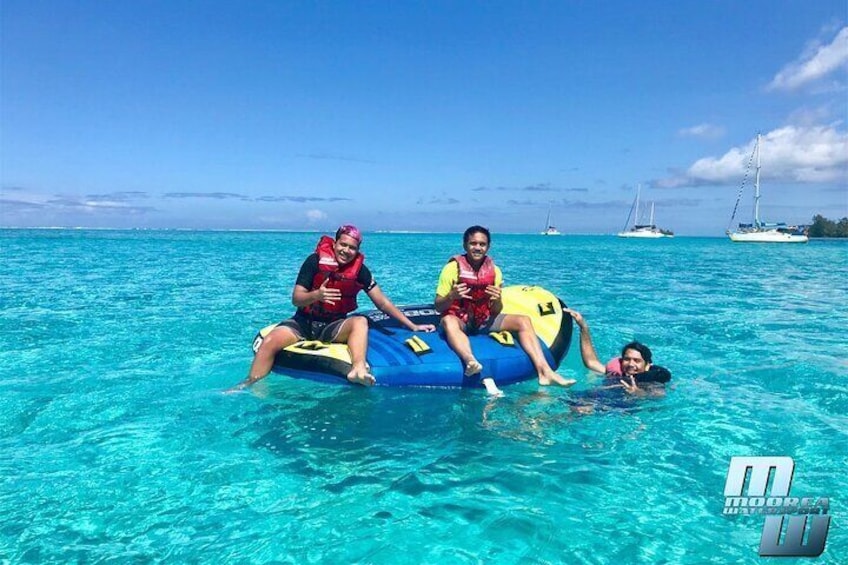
760	469
793	544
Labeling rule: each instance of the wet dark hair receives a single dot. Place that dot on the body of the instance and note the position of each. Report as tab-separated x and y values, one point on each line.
476	229
643	349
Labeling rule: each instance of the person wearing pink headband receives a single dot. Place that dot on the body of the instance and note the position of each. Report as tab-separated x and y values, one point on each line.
325	294
351	231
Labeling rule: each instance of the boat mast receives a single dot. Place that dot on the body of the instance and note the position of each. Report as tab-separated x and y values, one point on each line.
548	221
652	214
757	187
636	216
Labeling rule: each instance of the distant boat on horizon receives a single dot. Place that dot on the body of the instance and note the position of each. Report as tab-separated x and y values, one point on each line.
758	231
642	231
549	229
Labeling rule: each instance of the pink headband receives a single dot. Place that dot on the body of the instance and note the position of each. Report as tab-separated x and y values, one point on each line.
351	231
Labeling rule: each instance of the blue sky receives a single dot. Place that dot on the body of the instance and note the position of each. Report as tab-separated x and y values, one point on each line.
423	116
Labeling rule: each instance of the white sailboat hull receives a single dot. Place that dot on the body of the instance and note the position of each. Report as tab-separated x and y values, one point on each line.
643	234
767	236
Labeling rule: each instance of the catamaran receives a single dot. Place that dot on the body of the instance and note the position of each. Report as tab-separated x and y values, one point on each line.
763	232
645	231
549	229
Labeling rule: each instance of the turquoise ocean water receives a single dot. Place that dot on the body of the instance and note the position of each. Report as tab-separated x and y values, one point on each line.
117	445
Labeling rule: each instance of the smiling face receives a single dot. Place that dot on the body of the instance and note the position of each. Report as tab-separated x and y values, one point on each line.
632	362
476	246
345	248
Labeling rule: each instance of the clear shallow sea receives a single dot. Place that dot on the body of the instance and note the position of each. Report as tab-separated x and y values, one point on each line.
116	444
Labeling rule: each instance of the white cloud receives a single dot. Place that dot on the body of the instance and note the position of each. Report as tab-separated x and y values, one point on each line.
315	215
820	61
93	205
789	154
703	131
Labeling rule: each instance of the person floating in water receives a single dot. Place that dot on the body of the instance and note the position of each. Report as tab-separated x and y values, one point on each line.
634	371
324	294
468	298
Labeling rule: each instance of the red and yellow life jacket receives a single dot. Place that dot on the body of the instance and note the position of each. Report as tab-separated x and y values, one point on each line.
478	309
341	277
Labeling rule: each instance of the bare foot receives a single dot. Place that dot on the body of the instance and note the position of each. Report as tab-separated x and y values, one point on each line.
473	367
242	386
491	387
552	377
361	376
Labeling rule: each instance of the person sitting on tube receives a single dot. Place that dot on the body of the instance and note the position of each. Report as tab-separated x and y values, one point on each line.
324	294
468	298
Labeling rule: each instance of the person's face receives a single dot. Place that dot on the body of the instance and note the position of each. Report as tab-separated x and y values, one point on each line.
477	246
632	363
345	249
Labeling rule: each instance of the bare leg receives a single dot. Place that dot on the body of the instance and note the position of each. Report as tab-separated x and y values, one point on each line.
458	341
354	332
530	343
279	338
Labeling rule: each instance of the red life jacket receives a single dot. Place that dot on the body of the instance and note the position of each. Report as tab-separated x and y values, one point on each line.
340	277
478	309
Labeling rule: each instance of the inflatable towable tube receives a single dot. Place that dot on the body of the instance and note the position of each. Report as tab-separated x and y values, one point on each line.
399	357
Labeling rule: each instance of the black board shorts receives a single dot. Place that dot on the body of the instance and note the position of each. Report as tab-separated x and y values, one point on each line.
306	329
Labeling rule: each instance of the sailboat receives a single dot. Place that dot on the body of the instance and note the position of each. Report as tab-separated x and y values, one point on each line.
762	232
549	229
644	231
